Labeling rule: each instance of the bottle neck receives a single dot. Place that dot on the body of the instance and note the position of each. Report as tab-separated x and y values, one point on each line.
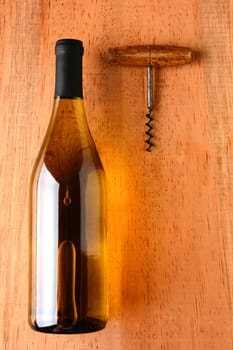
68	75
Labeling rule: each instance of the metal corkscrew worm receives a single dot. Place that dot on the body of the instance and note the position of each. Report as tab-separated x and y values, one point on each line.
149	56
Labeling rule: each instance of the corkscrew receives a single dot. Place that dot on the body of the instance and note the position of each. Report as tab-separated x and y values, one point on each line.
149	56
149	125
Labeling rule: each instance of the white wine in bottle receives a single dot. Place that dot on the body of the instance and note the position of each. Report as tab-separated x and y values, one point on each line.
68	273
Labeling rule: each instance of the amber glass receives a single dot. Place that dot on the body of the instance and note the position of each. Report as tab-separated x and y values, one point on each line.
68	274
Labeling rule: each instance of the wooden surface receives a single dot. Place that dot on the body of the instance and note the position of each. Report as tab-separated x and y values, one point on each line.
170	212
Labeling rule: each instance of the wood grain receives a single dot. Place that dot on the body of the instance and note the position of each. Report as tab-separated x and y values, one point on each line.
170	216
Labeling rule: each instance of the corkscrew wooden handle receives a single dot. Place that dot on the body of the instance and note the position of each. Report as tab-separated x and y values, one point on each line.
149	55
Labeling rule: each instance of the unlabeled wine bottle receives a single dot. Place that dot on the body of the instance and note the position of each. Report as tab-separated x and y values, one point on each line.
68	277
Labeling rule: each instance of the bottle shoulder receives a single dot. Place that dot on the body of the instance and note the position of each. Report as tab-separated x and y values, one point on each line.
65	167
68	147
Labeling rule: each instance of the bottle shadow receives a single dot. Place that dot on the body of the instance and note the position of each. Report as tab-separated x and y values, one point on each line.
133	263
144	254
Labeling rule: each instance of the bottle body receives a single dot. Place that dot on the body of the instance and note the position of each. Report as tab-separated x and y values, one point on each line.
68	275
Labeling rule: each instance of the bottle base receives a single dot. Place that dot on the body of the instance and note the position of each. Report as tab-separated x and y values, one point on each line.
88	325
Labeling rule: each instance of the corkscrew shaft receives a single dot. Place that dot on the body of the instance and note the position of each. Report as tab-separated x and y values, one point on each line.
150	87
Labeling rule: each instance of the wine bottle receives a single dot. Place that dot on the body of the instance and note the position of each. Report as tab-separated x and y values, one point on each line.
68	258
